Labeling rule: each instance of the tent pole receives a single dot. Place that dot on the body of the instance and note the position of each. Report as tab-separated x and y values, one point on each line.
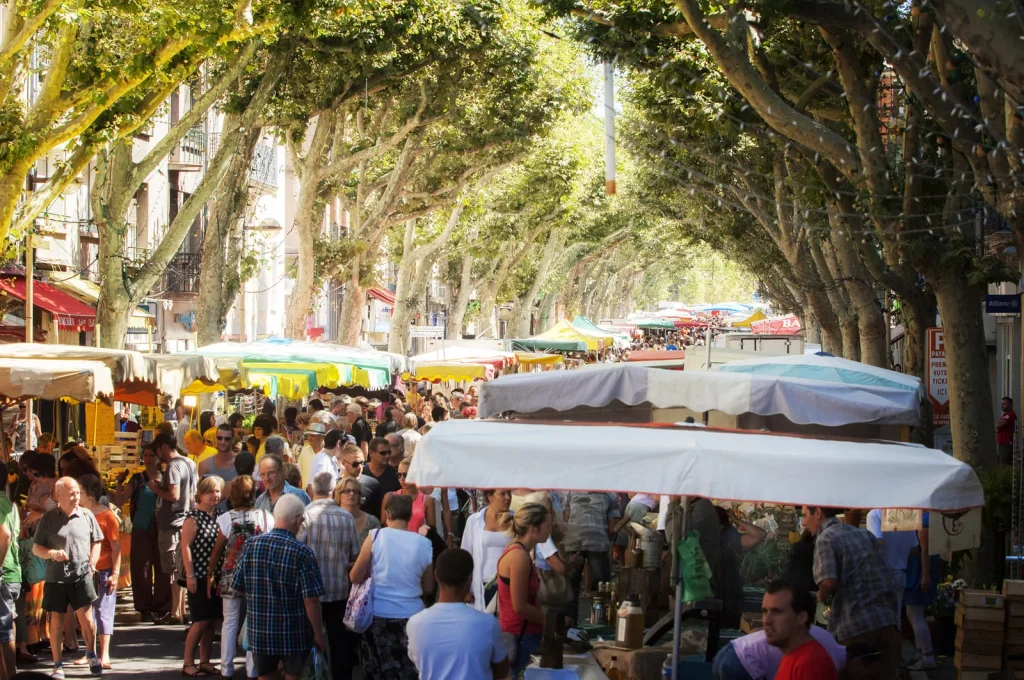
679	529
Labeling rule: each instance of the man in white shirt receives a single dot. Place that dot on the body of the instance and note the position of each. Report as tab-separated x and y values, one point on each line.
897	546
451	640
183	426
313	445
329	457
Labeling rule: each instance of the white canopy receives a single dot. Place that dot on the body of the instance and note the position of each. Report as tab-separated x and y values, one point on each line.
50	379
803	402
461	353
827	368
720	464
125	365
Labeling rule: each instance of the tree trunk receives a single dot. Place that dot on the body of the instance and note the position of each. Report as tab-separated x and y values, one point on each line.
456	316
971	413
350	325
551	251
220	269
544	313
488	316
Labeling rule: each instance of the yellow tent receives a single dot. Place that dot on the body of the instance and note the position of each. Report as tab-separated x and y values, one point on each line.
538	358
756	316
438	371
561	337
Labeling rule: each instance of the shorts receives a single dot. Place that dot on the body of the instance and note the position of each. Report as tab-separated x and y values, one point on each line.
167	543
9	593
79	594
266	664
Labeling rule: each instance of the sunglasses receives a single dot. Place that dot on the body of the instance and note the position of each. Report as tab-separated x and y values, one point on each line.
384	452
402	475
356	463
350	491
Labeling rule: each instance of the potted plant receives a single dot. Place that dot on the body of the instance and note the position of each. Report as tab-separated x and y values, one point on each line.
944	638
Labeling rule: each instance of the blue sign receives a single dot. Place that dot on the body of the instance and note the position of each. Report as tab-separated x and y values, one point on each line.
1002	304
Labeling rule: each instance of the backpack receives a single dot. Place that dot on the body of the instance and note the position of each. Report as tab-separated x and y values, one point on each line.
243	527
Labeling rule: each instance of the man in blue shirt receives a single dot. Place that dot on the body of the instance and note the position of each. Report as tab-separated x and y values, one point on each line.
282	586
272	474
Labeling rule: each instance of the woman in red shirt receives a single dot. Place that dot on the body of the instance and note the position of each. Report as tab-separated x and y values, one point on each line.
519	611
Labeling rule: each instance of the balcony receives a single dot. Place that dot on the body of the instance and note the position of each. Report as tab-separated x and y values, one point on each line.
263	168
182	280
190	154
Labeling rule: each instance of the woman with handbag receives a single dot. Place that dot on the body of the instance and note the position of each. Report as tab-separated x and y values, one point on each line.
552	568
234	529
485	537
399	561
519	611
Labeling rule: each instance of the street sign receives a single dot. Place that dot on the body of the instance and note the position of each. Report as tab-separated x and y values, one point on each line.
1002	304
433	332
938	383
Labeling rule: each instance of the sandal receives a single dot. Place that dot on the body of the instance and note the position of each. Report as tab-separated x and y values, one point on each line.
197	672
208	668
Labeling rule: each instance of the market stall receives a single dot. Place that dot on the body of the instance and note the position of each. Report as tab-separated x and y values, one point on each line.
825	368
779	325
440	371
745	320
627	393
499	359
83	381
692	462
587	327
561	337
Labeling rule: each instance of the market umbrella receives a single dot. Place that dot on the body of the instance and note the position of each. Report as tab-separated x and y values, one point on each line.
85	381
827	369
482	454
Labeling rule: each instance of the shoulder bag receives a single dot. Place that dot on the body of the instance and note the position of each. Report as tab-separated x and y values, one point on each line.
359	610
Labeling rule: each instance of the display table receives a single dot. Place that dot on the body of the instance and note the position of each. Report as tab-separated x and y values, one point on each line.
576	667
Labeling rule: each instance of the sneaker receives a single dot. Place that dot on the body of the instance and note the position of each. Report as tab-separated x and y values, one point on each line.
147	617
926	663
58	671
95	667
161	619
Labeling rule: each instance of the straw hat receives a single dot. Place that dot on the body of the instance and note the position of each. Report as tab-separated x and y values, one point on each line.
316	429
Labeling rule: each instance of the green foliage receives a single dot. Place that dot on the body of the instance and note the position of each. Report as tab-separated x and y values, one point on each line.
997	481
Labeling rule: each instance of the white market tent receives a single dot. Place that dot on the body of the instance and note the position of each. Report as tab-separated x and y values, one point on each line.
826	368
86	381
693	462
804	402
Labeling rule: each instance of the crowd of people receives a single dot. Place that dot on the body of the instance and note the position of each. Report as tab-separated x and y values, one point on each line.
270	534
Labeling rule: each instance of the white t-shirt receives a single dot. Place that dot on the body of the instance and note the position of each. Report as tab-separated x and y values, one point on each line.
762	660
453	641
453	505
895	544
412	438
399	560
542	552
325	462
260	518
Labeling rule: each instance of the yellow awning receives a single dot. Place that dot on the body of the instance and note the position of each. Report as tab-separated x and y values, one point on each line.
443	371
538	358
756	316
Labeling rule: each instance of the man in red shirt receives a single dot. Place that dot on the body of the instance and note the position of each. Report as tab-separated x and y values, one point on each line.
1005	429
788	615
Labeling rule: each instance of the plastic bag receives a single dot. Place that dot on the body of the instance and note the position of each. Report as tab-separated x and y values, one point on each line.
694	568
316	667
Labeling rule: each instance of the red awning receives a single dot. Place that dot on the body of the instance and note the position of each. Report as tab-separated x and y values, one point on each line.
70	313
385	296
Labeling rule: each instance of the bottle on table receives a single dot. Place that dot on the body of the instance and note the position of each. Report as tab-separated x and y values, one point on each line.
629	627
612	672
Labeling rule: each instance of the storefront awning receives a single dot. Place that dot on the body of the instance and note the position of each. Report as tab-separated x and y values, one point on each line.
385	296
70	313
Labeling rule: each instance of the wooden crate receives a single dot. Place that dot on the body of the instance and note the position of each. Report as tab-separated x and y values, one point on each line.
1013	589
969	617
647	583
131	442
977	662
982	598
750	622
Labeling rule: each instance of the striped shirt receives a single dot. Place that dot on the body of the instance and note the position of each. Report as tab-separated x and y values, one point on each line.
330	532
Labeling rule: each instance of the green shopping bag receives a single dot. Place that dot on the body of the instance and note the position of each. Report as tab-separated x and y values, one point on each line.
694	568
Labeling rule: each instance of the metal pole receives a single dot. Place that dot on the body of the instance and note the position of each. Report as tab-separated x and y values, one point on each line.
30	296
609	128
679	529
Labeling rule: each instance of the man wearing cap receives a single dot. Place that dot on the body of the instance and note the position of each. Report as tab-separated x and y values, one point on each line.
314	444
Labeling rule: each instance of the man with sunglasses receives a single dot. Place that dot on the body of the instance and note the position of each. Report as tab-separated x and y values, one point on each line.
380	471
221	463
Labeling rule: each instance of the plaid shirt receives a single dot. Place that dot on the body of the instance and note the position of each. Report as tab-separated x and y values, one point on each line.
865	598
277	573
588	520
330	532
